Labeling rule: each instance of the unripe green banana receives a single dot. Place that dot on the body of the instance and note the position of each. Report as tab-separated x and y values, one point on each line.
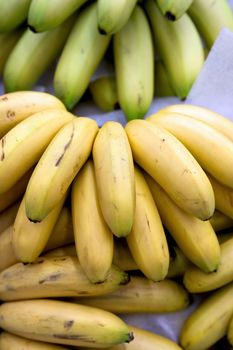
134	68
173	9
13	14
104	93
162	85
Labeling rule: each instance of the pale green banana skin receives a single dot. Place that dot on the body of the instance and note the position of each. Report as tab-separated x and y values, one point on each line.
7	43
210	17
179	45
13	13
162	85
32	55
113	14
45	15
134	68
173	9
104	93
80	57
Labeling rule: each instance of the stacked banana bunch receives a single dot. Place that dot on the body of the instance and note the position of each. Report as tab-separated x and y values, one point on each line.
96	222
155	47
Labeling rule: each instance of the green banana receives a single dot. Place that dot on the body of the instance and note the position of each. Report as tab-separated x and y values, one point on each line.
173	9
32	55
179	46
104	93
82	53
45	15
113	14
13	13
162	85
134	68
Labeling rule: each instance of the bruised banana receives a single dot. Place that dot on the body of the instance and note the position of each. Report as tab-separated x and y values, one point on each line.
152	297
55	277
173	9
147	240
19	105
209	321
24	144
104	93
114	171
210	147
13	14
72	324
220	221
63	158
169	162
93	238
196	238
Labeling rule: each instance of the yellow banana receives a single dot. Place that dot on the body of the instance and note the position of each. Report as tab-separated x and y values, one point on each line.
32	56
211	148
197	281
93	238
162	85
104	93
7	254
169	162
134	69
179	46
7	217
219	221
147	241
45	15
23	145
19	105
82	53
152	297
63	322
114	15
209	321
122	256
178	262
61	161
66	250
224	236
196	238
14	342
173	9
114	171
13	14
230	331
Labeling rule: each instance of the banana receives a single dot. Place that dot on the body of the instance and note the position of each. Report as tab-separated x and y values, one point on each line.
210	17
13	14
114	15
208	322
182	39
104	93
29	238
45	15
196	238
173	9
66	250
206	115
7	217
61	161
151	297
134	70
93	238
147	240
32	56
230	331
122	256
178	262
220	221
7	256
210	147
224	236
55	277
197	281
169	162
24	144
82	53
19	105
162	85
63	322
114	171
13	342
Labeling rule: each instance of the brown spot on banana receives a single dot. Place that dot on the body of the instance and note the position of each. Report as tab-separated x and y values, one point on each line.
65	148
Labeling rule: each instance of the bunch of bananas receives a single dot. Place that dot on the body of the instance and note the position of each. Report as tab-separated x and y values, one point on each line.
95	222
155	47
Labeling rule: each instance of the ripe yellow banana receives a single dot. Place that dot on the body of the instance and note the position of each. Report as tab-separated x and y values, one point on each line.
32	56
196	238
206	115
230	331
7	217
19	105
82	53
209	321
134	69
147	241
220	221
93	238
114	171
169	162
104	93
13	14
11	341
7	254
182	39
178	262
152	297
173	9
61	161
122	256
197	281
66	250
45	15
23	145
62	322
210	147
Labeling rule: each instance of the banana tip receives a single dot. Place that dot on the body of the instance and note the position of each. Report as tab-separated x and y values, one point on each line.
170	16
31	28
